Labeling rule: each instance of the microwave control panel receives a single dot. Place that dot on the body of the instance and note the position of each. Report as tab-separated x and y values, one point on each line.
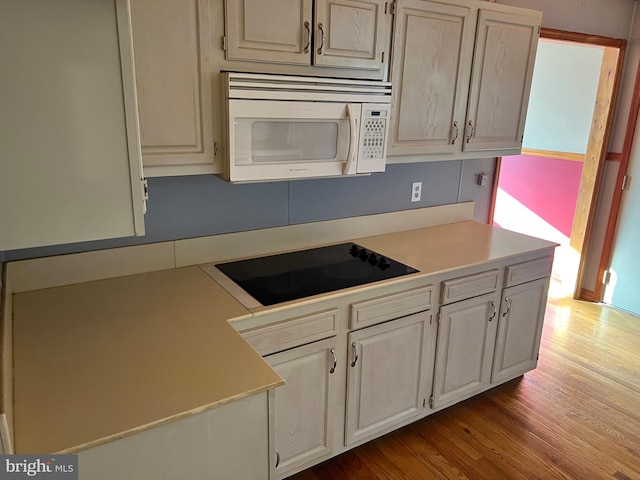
373	135
374	130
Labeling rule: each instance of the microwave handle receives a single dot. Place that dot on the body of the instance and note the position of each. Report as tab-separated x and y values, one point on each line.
350	164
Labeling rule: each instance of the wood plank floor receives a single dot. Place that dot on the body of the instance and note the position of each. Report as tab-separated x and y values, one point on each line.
577	416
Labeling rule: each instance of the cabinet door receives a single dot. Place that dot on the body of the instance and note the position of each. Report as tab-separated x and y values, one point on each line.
275	31
431	65
520	329
70	166
303	406
464	349
174	93
386	376
350	33
503	61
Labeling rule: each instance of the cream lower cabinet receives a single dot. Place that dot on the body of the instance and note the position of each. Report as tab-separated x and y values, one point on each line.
465	348
362	365
520	329
387	376
461	72
302	410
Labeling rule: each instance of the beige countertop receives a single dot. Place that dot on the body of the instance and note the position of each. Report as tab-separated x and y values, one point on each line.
439	249
99	360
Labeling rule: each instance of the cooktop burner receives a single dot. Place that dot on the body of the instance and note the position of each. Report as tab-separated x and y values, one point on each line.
290	276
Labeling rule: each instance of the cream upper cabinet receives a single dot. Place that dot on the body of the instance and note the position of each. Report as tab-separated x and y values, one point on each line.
462	73
387	376
274	31
503	62
174	86
430	71
350	34
70	166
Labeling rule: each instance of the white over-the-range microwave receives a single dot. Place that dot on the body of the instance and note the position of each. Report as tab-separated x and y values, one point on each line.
286	127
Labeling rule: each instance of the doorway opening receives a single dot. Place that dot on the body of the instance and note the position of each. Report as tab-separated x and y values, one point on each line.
551	190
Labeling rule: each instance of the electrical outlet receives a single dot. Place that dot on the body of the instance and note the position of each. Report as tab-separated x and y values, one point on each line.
483	179
416	191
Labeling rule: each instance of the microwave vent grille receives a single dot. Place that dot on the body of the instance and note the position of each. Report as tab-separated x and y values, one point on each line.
281	87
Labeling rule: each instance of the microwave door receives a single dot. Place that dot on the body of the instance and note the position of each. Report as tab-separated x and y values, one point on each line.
277	140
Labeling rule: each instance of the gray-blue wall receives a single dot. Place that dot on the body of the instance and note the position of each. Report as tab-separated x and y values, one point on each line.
193	206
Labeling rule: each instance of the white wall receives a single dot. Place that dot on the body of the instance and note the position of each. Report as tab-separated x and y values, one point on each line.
563	94
609	18
624	289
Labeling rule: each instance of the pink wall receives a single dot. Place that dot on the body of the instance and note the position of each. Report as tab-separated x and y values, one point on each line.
546	186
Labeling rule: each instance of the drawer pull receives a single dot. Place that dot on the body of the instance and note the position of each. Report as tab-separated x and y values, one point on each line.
277	458
495	311
354	348
334	360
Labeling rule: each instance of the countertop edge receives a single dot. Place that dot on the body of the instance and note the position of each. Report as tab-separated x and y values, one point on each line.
164	421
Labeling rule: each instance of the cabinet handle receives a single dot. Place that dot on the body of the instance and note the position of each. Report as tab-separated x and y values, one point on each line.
321	28
334	360
470	131
354	347
495	311
308	27
507	302
349	165
277	458
455	135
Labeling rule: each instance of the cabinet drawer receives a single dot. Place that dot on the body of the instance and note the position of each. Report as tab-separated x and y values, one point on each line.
469	286
528	271
293	332
391	306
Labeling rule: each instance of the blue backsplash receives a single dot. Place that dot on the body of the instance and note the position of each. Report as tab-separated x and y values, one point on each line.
193	206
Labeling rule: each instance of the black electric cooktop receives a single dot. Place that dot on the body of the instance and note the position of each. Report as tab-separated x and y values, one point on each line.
291	276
